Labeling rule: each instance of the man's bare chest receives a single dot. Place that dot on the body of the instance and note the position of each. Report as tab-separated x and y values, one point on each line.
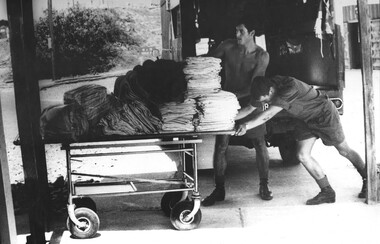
245	62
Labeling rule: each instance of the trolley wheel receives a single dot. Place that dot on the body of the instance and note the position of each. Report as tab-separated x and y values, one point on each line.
87	216
180	211
85	202
169	200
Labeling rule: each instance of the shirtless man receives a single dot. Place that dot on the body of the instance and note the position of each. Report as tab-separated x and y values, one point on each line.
317	118
243	60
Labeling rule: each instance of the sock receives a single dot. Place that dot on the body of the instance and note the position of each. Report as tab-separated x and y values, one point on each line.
219	182
323	182
363	172
263	181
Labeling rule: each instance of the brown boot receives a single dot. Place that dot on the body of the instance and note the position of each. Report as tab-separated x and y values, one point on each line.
327	195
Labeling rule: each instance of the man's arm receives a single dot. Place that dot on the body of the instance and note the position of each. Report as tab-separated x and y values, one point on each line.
258	120
244	112
221	49
261	66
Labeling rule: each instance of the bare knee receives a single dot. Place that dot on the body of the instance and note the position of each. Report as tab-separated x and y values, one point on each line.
221	148
344	149
344	153
303	156
259	144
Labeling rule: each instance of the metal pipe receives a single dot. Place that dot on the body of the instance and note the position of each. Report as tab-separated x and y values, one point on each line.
71	212
122	153
137	192
129	179
135	144
196	196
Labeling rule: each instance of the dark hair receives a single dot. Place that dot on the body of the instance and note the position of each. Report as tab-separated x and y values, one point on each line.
248	22
260	87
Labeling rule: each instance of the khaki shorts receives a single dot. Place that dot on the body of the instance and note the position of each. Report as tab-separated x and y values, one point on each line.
326	126
257	132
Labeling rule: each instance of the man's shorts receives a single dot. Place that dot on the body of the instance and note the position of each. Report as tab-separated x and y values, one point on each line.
326	126
257	132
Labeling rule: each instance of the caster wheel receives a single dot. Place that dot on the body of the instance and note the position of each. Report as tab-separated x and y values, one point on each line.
169	200
85	202
87	216
180	211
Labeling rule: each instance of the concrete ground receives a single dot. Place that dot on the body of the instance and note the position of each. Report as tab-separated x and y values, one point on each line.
243	217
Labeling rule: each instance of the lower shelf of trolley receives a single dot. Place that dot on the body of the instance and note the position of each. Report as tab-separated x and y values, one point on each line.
129	187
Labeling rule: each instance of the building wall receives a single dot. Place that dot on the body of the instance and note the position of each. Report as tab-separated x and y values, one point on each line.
350	23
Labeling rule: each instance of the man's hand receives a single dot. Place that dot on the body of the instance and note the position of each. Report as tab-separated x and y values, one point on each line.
241	129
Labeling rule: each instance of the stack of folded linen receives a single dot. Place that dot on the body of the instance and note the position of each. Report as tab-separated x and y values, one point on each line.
202	75
217	111
178	117
206	107
216	108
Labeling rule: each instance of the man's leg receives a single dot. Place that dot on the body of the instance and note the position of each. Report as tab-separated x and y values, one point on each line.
357	161
220	165
262	159
327	194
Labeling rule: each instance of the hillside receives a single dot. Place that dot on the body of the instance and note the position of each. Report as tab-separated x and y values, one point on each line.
146	24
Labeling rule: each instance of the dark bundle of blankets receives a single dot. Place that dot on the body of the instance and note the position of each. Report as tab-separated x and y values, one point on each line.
132	109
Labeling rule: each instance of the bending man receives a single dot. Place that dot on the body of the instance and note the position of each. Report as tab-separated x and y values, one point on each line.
318	118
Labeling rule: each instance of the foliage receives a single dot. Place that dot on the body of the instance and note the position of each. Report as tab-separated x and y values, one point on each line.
86	40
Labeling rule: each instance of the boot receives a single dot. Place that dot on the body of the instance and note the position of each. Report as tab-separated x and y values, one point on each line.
363	192
218	194
264	191
327	195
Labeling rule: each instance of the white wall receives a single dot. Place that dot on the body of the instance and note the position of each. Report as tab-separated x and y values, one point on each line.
3	10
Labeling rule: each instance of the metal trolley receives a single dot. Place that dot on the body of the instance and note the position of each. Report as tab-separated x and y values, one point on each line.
182	207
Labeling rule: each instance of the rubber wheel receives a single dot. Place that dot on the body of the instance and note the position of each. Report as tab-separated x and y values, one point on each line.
288	152
87	216
180	211
169	200
85	202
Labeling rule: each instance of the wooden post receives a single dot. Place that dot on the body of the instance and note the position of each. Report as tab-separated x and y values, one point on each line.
8	232
188	29
52	40
165	29
368	103
22	45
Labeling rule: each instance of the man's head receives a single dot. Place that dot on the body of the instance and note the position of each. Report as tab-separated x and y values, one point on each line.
245	31
262	89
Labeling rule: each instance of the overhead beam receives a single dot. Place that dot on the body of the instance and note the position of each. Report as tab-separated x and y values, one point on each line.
22	44
368	100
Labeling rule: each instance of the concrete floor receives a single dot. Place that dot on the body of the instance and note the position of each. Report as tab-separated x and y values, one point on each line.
243	217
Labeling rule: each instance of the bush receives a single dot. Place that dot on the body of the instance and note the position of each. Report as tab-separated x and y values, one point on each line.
86	41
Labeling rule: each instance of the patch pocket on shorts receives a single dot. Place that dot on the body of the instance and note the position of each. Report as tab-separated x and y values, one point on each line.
323	117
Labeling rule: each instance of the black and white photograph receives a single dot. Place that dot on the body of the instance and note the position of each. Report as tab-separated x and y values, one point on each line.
189	121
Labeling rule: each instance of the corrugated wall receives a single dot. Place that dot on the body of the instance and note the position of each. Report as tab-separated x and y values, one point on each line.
350	13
